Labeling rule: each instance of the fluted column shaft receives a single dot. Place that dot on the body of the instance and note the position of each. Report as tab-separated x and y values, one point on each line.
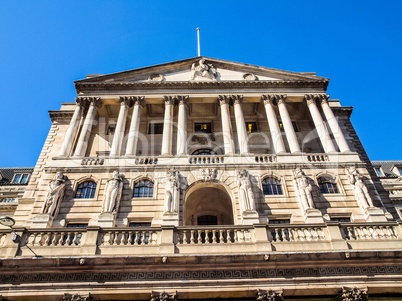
334	125
131	149
182	125
125	103
276	134
82	144
167	126
226	124
322	131
287	125
72	128
240	124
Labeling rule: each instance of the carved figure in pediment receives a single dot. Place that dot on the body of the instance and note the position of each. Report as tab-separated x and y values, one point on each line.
208	174
203	70
304	190
55	193
361	191
172	194
114	189
246	195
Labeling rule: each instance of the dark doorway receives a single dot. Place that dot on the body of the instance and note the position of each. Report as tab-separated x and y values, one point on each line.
207	220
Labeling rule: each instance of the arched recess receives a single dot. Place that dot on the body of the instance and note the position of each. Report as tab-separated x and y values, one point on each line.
208	204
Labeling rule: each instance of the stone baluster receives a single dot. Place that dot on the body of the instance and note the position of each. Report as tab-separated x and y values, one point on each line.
276	134
95	103
73	127
125	103
287	125
226	124
334	125
167	126
131	149
240	124
319	124
182	125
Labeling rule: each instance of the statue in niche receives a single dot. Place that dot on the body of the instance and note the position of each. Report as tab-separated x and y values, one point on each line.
55	193
246	195
113	192
304	189
361	191
172	194
203	70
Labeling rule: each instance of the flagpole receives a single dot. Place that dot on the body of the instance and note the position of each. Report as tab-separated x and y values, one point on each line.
198	38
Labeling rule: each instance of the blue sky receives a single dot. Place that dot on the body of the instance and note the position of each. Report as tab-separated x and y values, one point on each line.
46	45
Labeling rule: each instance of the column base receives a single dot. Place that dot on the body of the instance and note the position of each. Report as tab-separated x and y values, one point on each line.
107	219
170	219
374	214
250	218
42	221
313	216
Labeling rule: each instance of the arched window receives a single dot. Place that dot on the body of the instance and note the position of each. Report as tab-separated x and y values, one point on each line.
143	189
204	152
327	185
271	186
86	190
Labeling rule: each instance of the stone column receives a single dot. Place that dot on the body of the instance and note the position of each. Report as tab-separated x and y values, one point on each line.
240	124
182	125
95	103
139	103
334	125
125	103
73	127
276	134
319	124
287	125
226	124
167	126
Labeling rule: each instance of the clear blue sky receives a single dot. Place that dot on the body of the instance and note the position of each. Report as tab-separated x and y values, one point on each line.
46	45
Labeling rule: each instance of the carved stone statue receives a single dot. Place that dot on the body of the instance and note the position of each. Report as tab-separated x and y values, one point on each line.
55	193
269	295
172	194
352	294
246	195
113	192
304	190
361	192
203	70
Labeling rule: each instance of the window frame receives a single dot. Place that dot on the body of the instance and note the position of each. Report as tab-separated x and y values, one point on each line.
94	192
201	131
21	176
379	172
151	124
251	122
144	197
279	181
329	180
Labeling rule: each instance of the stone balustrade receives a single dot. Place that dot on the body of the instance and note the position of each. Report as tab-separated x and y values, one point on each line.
201	239
265	159
146	160
206	160
317	158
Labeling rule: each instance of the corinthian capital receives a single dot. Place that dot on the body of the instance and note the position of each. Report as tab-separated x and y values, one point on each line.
95	101
140	100
181	99
310	99
228	99
81	101
169	100
127	100
323	98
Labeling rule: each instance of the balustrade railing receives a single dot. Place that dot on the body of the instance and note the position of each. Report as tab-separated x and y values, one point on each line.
265	159
146	161
206	160
213	235
127	237
297	234
55	238
368	232
317	158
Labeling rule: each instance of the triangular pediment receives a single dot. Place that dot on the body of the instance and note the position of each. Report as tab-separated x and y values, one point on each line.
202	69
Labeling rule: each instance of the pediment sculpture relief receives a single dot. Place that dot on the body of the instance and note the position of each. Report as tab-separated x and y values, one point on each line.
203	70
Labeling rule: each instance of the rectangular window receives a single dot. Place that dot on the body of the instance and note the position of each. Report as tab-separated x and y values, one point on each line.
294	126
155	128
111	129
21	178
378	171
400	170
203	127
340	219
7	200
279	221
251	127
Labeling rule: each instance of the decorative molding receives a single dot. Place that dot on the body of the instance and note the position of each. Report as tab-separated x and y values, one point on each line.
156	78
163	296
269	295
81	87
352	294
153	275
77	297
250	76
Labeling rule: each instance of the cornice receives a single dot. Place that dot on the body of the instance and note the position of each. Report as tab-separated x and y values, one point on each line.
60	115
342	111
88	86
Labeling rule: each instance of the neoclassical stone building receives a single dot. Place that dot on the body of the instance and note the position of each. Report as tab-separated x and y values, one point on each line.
202	179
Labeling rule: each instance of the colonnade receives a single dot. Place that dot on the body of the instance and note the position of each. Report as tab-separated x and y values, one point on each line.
90	105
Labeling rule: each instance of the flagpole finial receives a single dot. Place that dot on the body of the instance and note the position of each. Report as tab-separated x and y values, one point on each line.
198	39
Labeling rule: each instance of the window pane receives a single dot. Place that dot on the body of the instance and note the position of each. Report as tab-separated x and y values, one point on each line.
203	127
86	190
143	189
271	186
24	179
17	179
